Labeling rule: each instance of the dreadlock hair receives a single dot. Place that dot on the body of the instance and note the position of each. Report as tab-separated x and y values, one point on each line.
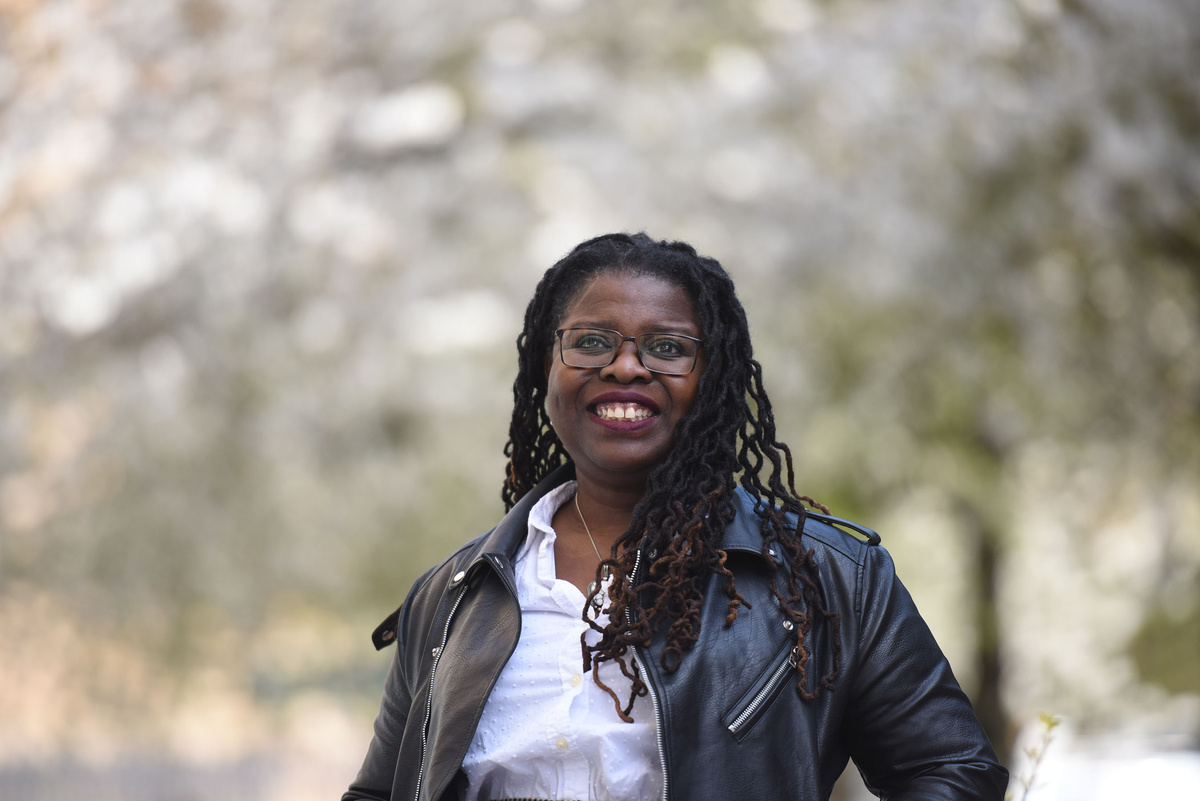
726	438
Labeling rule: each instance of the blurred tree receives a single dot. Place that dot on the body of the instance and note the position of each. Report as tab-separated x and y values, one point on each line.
238	365
1063	300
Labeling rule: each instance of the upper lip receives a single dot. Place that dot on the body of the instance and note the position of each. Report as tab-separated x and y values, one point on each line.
624	397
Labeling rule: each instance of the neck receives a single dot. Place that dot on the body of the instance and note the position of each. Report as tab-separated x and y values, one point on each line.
607	510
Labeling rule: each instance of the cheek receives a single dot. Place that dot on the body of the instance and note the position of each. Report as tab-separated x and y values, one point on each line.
689	401
696	376
554	397
691	391
550	403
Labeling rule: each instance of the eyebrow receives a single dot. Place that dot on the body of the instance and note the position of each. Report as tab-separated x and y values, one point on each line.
667	328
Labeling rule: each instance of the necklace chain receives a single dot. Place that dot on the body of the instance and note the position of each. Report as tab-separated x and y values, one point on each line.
583	520
606	572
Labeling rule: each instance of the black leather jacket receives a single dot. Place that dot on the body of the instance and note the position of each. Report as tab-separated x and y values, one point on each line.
730	722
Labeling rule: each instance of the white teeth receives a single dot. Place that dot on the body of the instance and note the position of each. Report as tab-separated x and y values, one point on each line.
622	411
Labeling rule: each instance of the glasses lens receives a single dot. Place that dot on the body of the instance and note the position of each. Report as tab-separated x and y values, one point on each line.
588	347
667	353
671	354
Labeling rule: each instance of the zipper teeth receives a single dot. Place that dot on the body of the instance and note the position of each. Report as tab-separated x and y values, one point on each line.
761	695
658	733
429	701
638	663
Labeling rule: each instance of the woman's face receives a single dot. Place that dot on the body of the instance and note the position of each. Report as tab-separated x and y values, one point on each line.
618	422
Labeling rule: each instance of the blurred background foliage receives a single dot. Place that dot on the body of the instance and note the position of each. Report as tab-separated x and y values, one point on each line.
262	265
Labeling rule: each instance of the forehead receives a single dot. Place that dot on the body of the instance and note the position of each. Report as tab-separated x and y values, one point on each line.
633	303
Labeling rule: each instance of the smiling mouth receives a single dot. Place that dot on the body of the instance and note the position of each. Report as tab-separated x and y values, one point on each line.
622	411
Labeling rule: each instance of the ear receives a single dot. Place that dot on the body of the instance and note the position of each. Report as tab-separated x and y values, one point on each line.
549	361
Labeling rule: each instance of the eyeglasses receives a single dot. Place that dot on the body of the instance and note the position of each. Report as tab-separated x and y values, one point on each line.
668	354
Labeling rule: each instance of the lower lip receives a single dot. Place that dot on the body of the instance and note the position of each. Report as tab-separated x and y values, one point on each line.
624	425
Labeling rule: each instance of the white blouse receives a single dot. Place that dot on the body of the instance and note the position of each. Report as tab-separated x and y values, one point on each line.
547	731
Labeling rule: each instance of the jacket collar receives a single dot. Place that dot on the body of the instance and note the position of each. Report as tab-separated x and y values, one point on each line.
744	533
500	545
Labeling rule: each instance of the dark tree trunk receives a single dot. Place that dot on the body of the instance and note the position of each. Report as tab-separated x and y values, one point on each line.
988	704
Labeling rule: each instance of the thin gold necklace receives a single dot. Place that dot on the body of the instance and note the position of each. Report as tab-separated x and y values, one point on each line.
605	571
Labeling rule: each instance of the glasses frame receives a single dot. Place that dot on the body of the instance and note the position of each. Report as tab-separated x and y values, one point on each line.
558	333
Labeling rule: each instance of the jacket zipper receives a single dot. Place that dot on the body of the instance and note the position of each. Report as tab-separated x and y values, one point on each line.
637	663
429	701
766	692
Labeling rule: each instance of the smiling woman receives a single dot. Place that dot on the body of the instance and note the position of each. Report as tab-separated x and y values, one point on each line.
614	415
656	548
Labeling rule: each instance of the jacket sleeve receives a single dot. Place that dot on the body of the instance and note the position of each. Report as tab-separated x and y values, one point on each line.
910	728
374	780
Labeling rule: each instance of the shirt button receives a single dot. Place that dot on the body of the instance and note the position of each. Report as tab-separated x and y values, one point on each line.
561	743
576	679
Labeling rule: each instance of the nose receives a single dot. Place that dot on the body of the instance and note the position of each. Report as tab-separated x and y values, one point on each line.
627	366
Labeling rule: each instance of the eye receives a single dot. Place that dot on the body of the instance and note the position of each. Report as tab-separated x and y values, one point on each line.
668	347
593	341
